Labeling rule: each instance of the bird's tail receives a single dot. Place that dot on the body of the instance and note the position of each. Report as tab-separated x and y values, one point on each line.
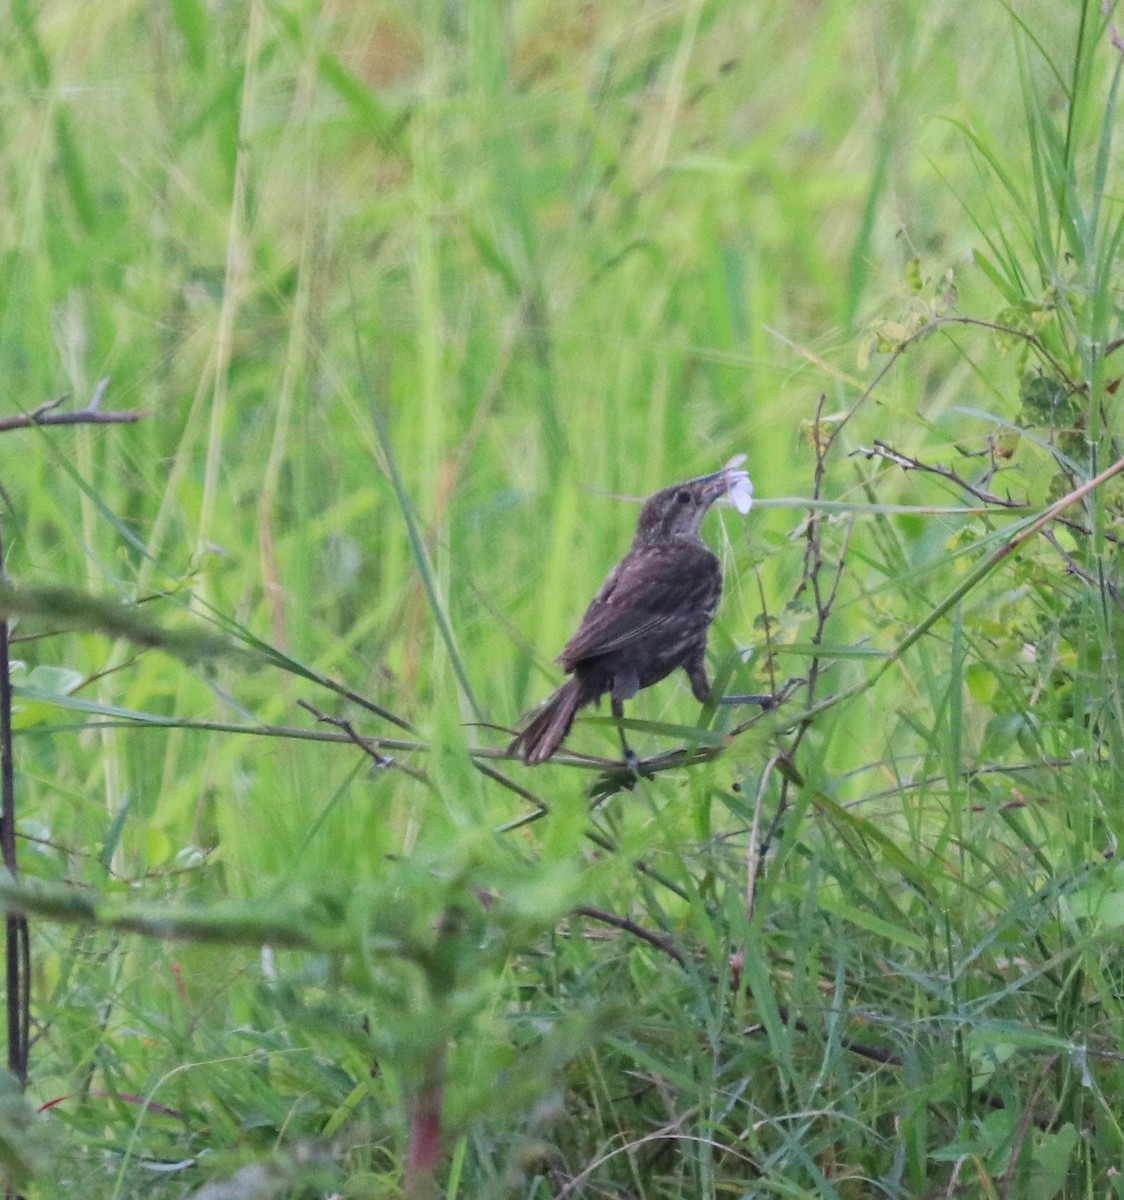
549	726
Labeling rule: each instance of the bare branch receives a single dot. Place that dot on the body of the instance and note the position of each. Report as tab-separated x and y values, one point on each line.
658	940
887	453
92	414
367	745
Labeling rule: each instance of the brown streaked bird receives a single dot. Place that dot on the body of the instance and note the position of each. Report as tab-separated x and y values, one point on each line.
650	617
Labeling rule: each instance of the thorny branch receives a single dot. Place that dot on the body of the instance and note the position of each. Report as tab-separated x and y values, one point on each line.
887	453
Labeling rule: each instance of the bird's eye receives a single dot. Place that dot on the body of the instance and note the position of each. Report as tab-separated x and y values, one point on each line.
683	497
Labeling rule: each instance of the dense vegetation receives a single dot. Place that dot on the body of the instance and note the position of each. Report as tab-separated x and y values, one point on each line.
405	298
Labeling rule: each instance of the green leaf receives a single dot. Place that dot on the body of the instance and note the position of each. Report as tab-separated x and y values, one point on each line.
981	682
897	934
190	17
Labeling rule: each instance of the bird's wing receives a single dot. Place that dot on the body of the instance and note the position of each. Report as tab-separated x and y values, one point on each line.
646	592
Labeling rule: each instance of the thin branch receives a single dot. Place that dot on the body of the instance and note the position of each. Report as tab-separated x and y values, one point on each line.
18	956
367	745
82	417
659	941
811	578
888	454
92	414
541	806
1075	568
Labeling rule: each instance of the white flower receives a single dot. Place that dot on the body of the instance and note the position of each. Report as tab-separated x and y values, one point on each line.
740	490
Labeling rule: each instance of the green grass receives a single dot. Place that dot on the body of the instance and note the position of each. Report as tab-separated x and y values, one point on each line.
412	295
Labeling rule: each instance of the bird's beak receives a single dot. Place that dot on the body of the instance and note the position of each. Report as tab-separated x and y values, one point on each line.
731	482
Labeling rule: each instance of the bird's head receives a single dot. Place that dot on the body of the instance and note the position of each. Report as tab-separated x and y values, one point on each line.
676	512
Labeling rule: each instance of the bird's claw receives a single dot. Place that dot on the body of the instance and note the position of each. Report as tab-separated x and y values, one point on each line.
634	766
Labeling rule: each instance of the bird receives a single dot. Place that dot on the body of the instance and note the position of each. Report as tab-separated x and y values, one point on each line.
650	617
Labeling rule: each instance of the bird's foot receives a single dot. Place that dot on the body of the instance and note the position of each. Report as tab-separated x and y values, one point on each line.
633	765
631	762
